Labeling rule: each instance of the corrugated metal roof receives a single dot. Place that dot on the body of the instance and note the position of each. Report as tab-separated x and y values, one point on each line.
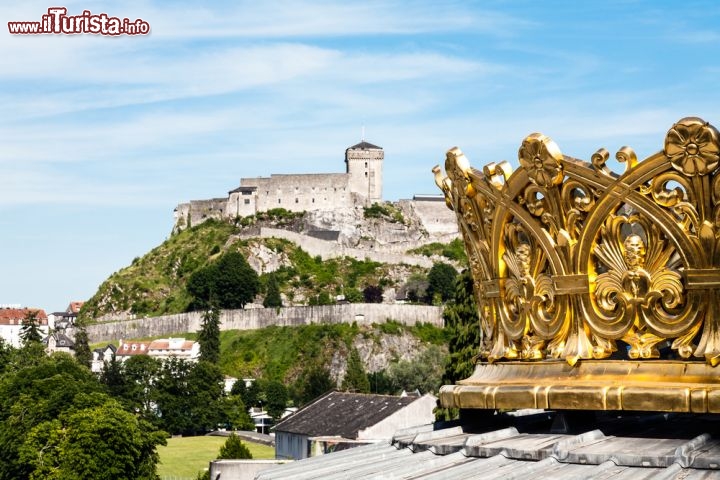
508	454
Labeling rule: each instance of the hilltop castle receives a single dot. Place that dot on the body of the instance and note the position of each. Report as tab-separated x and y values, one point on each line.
361	184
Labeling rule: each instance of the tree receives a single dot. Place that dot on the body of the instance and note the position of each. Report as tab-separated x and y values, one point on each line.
33	393
463	324
82	347
209	336
113	377
230	283
250	395
188	397
137	387
30	331
441	283
356	379
170	397
235	414
234	449
314	381
201	285
424	373
205	396
415	287
272	298
237	283
373	294
100	441
276	396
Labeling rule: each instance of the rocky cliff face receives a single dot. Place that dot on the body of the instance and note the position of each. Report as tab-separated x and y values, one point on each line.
397	232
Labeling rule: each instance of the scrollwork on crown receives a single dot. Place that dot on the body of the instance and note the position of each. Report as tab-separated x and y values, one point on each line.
571	260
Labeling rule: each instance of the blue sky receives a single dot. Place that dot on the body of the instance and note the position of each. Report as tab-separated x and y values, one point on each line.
101	137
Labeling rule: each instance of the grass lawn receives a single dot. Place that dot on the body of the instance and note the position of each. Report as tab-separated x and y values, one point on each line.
184	457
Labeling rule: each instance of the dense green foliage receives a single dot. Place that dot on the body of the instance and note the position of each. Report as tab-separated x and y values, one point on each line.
463	326
58	422
373	294
157	283
356	379
230	283
30	330
272	295
234	448
441	283
209	336
386	211
455	250
82	347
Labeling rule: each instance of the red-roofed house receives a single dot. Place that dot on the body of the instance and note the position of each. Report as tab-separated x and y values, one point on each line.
131	349
162	349
11	320
180	348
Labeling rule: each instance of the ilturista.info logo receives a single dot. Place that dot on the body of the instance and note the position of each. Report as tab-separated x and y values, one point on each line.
57	22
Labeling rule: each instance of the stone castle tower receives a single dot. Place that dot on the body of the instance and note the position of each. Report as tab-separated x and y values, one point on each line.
360	185
364	163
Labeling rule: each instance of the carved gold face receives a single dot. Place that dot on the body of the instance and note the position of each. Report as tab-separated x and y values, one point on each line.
634	252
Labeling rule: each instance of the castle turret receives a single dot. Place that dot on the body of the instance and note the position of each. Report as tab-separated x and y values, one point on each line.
364	165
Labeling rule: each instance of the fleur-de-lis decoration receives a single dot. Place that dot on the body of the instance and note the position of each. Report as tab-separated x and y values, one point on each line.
638	283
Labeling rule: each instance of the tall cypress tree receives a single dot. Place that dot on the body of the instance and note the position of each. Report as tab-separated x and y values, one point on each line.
272	298
30	331
463	324
356	379
209	336
82	347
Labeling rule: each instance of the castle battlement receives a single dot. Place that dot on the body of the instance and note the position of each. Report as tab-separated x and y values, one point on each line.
361	184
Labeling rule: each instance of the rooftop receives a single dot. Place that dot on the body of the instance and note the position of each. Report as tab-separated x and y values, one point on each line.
342	414
638	448
364	146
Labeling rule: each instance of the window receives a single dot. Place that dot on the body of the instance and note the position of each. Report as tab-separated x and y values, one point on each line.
247	201
278	200
296	200
365	164
313	200
365	174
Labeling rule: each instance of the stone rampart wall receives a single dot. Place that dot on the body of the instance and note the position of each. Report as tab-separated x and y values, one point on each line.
362	313
316	246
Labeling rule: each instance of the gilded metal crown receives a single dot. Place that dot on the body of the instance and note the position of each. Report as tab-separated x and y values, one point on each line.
592	281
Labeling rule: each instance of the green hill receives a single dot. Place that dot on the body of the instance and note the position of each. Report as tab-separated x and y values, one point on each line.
155	284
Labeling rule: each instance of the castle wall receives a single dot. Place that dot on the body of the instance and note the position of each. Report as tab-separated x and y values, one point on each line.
241	204
316	246
301	192
197	211
435	216
362	313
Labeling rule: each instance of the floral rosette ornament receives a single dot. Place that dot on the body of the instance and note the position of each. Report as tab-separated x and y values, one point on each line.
541	158
692	146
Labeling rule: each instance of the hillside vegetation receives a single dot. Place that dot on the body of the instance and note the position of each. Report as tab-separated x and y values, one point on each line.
156	283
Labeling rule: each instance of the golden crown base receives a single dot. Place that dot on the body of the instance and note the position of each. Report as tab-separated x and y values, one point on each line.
596	290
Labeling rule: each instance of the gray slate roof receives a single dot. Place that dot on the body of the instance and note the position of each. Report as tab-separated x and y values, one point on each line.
343	414
364	146
453	453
